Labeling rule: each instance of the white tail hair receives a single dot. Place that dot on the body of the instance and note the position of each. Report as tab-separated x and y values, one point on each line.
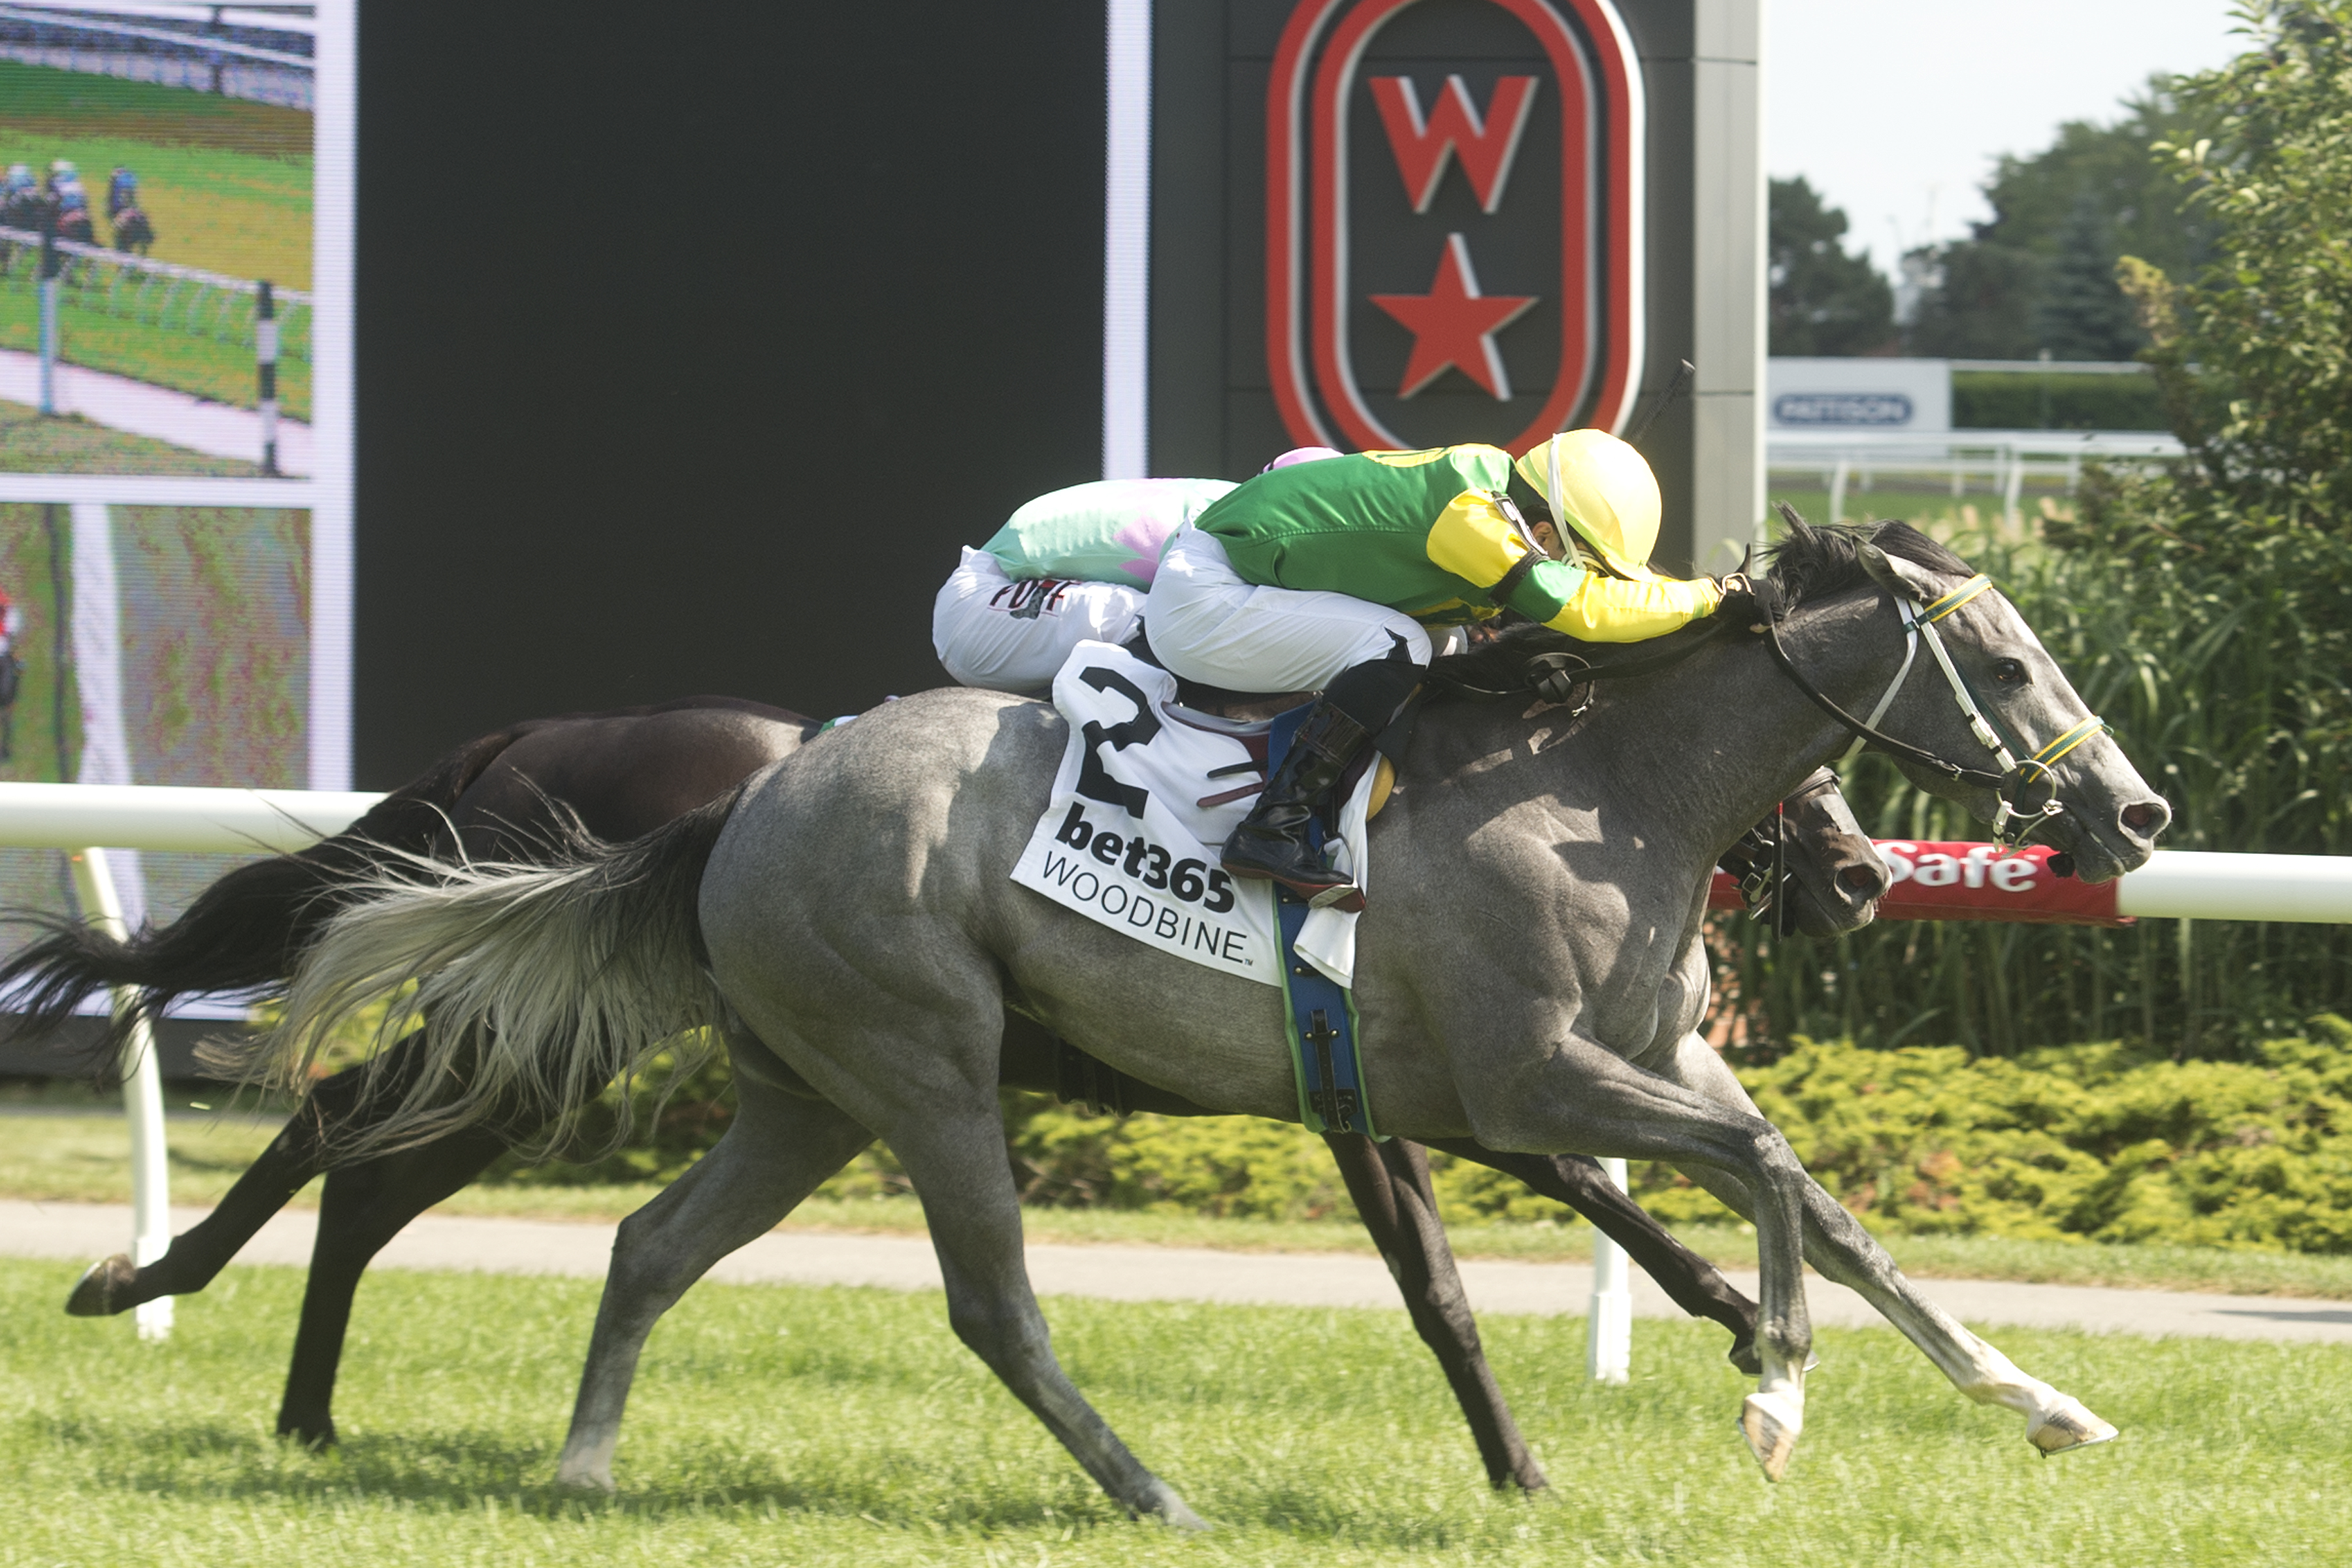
536	985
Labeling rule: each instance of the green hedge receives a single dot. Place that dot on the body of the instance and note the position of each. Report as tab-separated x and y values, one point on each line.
2091	1142
2054	400
2097	1142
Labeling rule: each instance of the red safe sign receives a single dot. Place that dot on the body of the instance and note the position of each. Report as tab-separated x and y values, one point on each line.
1454	222
1946	881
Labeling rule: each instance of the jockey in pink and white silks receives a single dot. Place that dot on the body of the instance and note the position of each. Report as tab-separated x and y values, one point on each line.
1327	575
1068	567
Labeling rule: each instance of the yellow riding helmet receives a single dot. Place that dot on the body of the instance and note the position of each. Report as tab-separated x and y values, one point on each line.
1603	490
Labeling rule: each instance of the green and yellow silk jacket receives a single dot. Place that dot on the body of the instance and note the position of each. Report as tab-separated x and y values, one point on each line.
1426	532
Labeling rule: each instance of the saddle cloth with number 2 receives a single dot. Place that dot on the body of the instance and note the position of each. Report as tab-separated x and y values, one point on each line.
1146	792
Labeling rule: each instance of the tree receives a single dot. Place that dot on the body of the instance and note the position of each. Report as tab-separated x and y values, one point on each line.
2205	610
2038	275
1980	302
2081	314
2267	413
1823	300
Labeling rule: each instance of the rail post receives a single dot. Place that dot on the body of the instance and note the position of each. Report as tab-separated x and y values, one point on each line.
142	1096
1608	1339
265	350
48	290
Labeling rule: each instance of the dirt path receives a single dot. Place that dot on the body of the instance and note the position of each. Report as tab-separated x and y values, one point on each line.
118	402
90	1231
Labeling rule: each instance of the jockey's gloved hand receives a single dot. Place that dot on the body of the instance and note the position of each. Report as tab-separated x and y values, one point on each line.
1751	600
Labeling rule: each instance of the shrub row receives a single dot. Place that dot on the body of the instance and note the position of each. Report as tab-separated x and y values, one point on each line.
2098	1143
2093	1142
2054	400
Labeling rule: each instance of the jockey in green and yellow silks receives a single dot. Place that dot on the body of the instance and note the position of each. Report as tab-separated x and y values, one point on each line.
1325	575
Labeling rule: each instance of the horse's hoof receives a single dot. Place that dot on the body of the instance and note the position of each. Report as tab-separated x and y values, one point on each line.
2070	1425
317	1437
99	1292
585	1479
1770	1423
1173	1512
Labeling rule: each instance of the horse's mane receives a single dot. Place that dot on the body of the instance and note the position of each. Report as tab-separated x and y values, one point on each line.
1808	564
1814	563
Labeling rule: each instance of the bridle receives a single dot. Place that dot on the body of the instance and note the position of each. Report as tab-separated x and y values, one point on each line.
1759	860
2027	790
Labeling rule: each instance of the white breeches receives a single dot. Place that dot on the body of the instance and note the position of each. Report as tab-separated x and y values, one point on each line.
1007	636
1208	624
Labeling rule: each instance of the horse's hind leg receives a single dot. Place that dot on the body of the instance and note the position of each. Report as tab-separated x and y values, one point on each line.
365	1207
1390	1183
776	1151
957	1163
198	1255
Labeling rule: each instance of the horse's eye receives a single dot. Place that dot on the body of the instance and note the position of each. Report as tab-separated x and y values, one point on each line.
2009	671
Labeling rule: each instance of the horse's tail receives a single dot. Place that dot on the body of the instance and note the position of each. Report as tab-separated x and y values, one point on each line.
541	985
247	930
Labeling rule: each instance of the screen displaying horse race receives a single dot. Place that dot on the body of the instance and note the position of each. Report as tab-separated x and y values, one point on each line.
161	312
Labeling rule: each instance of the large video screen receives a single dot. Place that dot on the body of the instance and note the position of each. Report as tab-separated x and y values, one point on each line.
175	230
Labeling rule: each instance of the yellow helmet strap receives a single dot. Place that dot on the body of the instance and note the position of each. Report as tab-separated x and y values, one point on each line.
1552	484
1571	536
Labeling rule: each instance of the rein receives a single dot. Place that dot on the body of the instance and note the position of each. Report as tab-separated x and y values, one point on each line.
1552	676
2027	790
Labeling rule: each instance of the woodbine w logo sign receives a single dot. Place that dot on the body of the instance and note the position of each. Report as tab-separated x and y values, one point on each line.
1454	221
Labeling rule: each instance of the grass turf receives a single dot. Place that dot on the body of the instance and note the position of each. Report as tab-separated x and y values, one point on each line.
775	1424
227	183
1928	504
61	1156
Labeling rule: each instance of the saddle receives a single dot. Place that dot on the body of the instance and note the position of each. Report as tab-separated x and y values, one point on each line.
1248	717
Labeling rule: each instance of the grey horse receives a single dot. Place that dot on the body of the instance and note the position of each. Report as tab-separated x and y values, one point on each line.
1527	973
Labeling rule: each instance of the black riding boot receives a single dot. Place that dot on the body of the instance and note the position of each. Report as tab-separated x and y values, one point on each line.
1271	843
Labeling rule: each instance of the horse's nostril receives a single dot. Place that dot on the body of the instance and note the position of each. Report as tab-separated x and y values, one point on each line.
1861	883
2142	815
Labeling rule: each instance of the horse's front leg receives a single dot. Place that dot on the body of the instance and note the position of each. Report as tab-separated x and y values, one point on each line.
1837	1245
1584	1098
1390	1183
1694	1284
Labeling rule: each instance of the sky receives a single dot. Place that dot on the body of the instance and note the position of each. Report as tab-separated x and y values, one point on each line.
1896	109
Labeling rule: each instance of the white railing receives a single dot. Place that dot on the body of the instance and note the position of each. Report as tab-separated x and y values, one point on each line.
77	817
2005	458
225	282
2189	884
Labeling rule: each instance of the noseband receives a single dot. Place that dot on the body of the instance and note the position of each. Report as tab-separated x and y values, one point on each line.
2027	790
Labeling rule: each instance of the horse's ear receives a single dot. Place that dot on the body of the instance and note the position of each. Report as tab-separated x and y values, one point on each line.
1896	574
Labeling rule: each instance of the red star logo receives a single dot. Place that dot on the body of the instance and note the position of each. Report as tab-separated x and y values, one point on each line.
1454	325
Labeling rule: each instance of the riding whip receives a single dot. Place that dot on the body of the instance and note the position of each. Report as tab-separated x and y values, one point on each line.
1674	390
